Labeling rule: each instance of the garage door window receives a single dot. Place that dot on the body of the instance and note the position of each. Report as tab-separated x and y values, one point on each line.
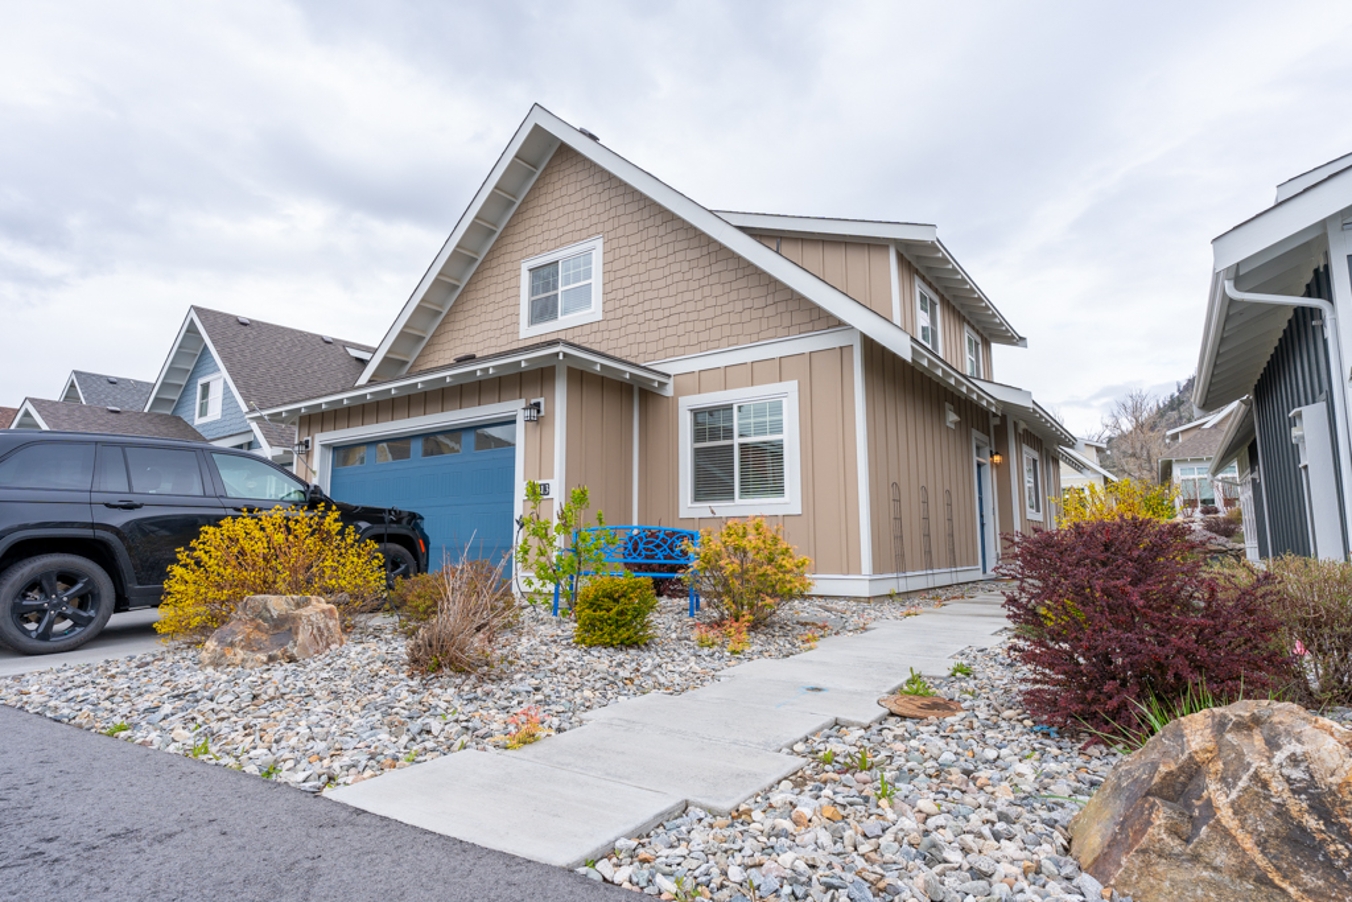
444	443
490	438
396	449
349	457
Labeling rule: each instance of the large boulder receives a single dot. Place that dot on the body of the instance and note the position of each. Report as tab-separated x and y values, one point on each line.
1247	803
270	629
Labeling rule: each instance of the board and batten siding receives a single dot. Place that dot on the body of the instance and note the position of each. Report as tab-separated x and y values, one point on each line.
828	528
667	288
538	437
911	445
600	443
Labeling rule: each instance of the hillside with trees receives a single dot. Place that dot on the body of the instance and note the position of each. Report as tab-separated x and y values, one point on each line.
1135	427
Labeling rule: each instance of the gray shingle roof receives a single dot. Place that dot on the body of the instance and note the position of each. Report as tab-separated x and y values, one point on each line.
112	391
278	435
271	365
7	415
68	416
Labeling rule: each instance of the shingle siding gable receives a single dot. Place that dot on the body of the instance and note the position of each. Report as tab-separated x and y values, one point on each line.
232	421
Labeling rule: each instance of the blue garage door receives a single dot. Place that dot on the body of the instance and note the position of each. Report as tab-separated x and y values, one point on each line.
460	480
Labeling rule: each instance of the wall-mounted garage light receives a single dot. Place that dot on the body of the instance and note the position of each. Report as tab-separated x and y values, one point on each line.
532	412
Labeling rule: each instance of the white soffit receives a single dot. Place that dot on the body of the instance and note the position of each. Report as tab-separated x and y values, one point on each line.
526	156
177	367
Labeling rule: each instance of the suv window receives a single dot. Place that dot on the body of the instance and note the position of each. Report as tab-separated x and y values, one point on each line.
164	471
49	465
249	477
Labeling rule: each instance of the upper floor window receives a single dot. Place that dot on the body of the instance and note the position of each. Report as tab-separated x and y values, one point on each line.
927	317
973	354
561	289
209	398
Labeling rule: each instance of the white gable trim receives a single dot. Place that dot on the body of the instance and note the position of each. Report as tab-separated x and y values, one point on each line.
27	409
161	391
539	136
72	381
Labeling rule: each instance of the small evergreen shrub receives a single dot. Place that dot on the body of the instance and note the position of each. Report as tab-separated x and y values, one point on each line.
614	611
474	608
746	570
1315	609
1114	616
278	552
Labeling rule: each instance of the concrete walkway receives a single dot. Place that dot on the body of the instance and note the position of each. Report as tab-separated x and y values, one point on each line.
634	764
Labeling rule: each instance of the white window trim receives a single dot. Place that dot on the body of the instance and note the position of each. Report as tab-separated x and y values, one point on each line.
216	393
595	245
968	332
1030	454
790	505
936	317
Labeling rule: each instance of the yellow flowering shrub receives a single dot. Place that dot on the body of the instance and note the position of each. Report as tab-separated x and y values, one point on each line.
1117	500
745	570
278	552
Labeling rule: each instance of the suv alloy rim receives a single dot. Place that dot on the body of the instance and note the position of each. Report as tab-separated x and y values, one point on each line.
55	604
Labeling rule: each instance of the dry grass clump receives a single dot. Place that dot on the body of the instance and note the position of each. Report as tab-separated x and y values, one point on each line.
474	607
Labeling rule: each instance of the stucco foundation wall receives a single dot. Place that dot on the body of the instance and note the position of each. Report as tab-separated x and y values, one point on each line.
828	528
668	289
911	445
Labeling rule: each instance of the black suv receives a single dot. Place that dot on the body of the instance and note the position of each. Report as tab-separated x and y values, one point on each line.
90	523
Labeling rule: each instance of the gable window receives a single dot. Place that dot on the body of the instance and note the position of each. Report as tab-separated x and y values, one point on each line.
739	452
561	289
973	354
1032	481
927	317
209	398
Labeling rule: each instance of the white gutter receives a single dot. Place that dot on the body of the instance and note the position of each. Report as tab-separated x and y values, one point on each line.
1336	375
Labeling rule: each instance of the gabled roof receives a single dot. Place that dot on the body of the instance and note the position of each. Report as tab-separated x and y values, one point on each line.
102	390
264	364
1019	404
1077	460
1206	422
70	416
919	242
527	154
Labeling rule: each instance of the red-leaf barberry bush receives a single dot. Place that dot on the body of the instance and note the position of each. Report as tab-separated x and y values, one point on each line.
1112	616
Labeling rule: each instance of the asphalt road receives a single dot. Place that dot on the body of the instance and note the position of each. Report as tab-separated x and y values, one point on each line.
86	817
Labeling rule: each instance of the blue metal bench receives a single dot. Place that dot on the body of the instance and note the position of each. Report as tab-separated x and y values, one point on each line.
657	551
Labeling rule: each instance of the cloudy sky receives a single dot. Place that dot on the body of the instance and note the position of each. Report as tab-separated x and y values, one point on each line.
302	163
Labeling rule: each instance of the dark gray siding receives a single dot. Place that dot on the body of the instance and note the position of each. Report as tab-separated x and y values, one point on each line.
1297	374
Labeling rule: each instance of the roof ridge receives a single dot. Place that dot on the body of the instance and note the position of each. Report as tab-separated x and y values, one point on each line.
261	322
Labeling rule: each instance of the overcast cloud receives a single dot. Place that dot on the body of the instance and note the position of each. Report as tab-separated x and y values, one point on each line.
302	163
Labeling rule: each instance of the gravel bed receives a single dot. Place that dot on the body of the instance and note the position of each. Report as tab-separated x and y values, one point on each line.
980	810
356	712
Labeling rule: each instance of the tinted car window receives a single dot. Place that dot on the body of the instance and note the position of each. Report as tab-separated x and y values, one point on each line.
164	471
49	465
111	474
246	477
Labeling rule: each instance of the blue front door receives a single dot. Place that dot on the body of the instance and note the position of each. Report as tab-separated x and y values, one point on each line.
460	480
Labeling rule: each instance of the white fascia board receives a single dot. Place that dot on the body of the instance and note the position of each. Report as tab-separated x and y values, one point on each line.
71	380
155	391
220	366
840	337
1029	410
1280	221
1296	184
829	298
1083	463
822	227
474	370
27	409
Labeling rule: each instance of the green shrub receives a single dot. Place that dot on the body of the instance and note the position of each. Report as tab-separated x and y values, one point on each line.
1315	610
614	610
747	569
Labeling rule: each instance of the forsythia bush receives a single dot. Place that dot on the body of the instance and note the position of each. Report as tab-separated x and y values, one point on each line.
614	610
747	569
280	552
1124	498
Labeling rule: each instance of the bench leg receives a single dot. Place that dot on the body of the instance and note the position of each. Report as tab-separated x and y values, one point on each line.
556	599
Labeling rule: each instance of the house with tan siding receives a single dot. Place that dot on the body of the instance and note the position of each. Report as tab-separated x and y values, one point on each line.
587	324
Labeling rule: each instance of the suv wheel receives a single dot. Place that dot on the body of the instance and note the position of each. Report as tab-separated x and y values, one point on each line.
53	603
399	563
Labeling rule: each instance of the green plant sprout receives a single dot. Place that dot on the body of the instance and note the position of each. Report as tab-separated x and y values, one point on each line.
961	670
119	727
916	685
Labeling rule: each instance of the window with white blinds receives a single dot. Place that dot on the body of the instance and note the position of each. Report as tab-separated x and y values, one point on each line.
740	456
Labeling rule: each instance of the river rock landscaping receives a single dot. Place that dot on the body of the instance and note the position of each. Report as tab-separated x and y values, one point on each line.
355	712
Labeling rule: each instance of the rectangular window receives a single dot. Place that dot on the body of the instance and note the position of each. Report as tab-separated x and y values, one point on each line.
354	456
561	289
1032	481
740	456
49	465
927	317
209	399
164	471
490	438
973	354
444	443
1195	485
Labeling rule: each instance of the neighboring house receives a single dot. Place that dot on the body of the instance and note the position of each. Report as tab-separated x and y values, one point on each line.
586	324
1189	451
105	391
73	416
222	365
1278	340
1081	467
7	415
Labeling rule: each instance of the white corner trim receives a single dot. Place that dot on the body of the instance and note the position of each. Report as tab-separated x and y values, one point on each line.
894	268
839	337
792	504
861	459
324	442
596	245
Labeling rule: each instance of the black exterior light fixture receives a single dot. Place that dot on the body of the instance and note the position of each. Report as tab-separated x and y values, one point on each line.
532	412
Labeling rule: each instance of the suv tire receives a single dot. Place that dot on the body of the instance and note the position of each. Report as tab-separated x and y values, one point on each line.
399	563
64	596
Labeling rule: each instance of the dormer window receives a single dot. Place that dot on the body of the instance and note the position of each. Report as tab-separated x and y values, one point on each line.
561	289
927	317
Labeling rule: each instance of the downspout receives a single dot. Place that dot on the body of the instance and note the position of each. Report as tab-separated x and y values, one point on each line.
1336	376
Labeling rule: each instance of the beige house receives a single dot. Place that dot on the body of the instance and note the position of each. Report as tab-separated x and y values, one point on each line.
587	324
1081	467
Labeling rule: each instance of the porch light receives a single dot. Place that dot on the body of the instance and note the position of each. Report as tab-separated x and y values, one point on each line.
997	458
531	412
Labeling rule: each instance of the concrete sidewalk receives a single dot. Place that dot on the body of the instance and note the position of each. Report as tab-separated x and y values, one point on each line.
566	799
